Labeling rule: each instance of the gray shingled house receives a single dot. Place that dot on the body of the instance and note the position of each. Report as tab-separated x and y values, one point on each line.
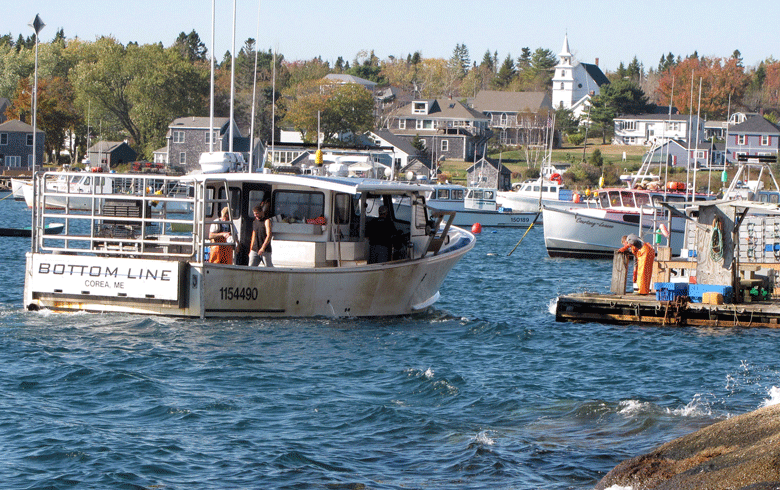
109	154
756	137
517	118
188	137
16	146
446	127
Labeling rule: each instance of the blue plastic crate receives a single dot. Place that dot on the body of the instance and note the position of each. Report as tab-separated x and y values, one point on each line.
668	291
696	292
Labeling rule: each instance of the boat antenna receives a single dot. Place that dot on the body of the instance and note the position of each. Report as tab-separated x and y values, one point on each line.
254	98
232	79
273	108
695	168
211	99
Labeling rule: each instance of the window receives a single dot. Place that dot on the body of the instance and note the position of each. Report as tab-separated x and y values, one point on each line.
628	125
419	108
562	86
29	140
298	205
700	154
182	158
3	138
741	139
418	124
213	134
443	194
503	119
13	161
445	145
178	136
672	126
402	124
342	209
765	140
457	194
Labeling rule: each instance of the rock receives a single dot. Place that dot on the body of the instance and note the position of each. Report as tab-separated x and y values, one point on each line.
742	452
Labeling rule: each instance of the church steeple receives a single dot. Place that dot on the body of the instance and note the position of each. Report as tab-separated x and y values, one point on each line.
565	53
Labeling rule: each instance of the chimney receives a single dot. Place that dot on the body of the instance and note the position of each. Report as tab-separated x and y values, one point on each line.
597	62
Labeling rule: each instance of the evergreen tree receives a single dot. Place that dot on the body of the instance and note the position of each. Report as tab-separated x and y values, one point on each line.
505	74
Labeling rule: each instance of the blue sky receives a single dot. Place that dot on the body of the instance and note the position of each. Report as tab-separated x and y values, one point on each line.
609	30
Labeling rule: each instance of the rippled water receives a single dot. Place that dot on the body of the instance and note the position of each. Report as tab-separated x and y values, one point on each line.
485	391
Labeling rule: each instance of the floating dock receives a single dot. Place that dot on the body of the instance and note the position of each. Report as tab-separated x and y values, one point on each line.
633	309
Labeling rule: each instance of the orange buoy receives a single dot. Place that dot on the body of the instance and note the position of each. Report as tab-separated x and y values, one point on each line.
476	228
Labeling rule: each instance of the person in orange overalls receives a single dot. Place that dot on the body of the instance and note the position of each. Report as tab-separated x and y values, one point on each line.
645	256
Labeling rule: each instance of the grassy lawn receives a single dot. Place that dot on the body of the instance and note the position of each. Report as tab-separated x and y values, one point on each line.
515	160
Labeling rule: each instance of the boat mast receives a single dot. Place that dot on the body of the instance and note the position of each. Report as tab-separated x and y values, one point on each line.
254	97
211	99
232	78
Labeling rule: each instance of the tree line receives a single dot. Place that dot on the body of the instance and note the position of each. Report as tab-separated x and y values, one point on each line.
134	91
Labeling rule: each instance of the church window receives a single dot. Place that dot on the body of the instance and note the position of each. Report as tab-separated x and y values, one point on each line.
562	87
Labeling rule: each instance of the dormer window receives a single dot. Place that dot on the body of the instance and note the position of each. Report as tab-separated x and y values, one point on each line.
419	108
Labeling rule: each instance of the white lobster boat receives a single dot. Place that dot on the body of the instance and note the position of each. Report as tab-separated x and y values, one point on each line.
123	256
477	205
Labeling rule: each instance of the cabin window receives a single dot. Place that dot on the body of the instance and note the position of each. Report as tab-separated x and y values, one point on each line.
256	197
642	199
628	199
443	194
3	138
342	209
613	200
457	194
299	205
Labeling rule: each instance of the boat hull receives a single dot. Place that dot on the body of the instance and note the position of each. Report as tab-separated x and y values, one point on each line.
568	233
466	217
170	288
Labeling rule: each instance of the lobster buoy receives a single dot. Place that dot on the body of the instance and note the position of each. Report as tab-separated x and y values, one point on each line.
675	186
664	230
476	228
575	197
556	177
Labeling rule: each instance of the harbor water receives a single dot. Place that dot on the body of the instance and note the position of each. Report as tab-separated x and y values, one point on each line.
484	391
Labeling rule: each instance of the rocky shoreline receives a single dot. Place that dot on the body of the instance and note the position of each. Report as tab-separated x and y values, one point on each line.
742	452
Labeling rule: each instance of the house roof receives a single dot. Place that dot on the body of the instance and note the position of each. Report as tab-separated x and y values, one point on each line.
193	122
401	143
493	163
498	101
655	117
16	126
595	73
755	124
442	109
106	146
344	78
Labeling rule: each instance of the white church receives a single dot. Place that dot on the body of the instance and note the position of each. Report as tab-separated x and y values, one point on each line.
575	83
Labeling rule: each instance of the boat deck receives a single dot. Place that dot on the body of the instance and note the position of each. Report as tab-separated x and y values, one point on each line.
633	309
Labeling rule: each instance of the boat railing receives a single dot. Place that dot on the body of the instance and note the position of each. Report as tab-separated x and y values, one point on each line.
127	219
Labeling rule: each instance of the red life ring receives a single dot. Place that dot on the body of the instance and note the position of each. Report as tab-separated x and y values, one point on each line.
556	178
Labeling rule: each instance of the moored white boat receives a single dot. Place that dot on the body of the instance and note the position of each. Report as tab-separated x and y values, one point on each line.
121	257
477	205
551	192
596	232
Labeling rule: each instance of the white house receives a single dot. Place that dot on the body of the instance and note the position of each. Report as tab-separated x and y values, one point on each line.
574	83
649	129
